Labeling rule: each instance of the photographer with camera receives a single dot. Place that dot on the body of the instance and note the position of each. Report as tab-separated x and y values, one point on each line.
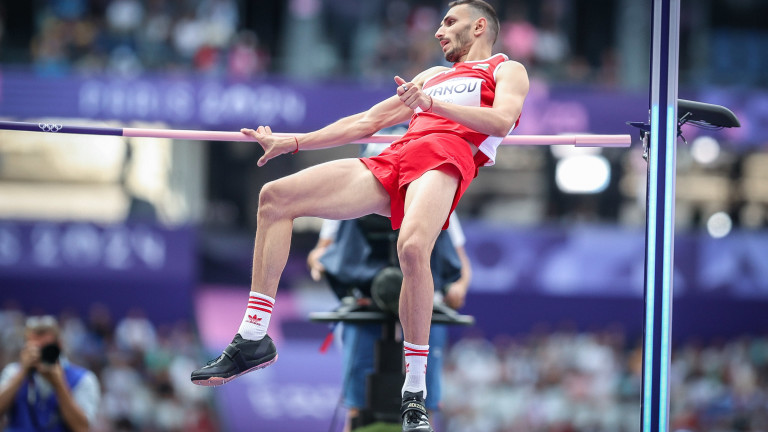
44	391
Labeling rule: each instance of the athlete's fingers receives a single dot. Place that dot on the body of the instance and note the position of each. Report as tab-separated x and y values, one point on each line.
260	134
404	87
254	134
412	100
407	98
267	156
257	133
264	130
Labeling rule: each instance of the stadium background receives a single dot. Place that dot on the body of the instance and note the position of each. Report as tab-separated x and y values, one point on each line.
142	246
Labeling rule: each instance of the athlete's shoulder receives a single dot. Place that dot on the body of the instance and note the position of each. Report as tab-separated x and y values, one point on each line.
510	68
421	78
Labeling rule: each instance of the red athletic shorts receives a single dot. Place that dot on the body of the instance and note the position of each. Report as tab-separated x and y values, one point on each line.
413	155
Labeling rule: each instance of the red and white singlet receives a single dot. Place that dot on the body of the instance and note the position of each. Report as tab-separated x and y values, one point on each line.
471	83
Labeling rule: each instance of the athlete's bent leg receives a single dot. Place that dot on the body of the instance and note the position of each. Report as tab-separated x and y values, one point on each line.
341	189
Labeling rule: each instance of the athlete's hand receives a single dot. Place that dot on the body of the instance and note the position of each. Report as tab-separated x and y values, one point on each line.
412	96
273	146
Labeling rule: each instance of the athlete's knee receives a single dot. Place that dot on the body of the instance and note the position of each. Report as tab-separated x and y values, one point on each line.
272	203
413	251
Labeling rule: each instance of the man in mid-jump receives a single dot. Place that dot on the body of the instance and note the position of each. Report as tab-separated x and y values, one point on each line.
458	117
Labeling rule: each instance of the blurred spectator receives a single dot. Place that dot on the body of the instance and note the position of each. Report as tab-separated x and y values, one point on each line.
135	333
124	16
43	390
144	370
388	59
341	19
49	48
518	37
11	333
246	58
188	35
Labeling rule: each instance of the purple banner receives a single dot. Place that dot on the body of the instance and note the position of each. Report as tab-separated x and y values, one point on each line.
734	265
54	266
197	103
609	261
88	250
205	103
299	393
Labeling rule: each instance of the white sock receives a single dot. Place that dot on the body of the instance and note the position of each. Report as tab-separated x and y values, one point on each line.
257	315
415	368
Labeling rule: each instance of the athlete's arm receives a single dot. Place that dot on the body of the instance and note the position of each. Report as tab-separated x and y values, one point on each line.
511	90
386	113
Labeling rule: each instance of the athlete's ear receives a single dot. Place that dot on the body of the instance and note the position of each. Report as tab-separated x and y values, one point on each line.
480	26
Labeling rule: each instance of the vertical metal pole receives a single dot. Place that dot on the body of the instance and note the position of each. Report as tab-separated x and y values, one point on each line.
660	212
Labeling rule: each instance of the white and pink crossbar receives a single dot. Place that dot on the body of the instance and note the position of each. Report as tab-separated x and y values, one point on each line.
579	140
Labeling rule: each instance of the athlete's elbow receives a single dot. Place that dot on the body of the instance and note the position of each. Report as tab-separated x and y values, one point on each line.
504	125
502	129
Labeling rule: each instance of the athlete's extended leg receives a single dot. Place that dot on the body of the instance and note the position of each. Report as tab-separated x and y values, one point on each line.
427	205
340	189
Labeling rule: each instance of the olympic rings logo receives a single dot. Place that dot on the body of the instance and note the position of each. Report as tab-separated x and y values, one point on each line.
49	127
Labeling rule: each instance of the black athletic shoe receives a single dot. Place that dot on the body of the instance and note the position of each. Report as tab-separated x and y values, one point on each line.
414	413
239	357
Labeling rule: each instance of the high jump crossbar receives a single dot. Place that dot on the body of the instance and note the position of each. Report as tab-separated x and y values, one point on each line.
578	140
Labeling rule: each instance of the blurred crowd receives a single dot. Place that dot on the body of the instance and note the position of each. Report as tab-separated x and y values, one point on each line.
547	381
569	382
128	37
143	369
402	39
372	39
595	41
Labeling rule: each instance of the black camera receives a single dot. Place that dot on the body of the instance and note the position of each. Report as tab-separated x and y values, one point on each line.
50	353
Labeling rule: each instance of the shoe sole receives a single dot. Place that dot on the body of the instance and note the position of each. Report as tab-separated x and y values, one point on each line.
422	430
217	381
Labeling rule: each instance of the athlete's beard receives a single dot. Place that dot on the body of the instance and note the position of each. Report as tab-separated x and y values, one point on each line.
460	46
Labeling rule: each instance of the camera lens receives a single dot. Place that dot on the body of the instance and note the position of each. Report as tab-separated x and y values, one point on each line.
50	353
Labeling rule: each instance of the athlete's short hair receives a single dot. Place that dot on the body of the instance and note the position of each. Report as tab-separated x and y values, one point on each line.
483	9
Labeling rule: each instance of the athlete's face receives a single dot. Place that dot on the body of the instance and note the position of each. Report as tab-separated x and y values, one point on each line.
455	33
